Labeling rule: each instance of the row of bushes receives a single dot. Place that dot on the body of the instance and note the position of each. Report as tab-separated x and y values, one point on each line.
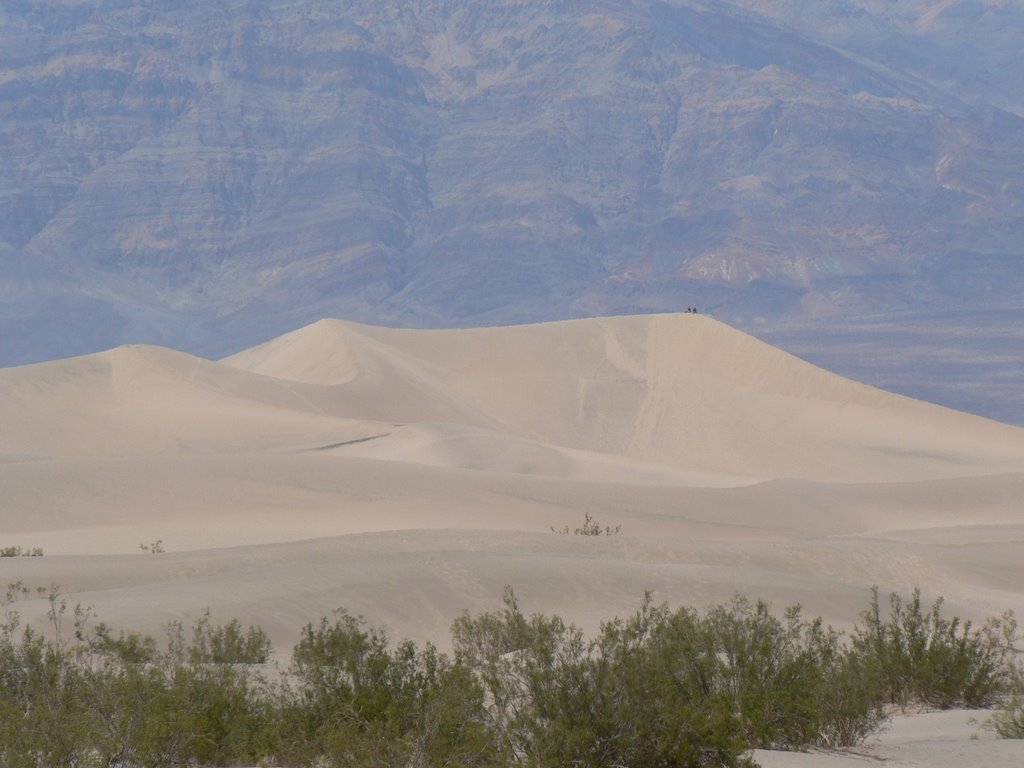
20	552
661	688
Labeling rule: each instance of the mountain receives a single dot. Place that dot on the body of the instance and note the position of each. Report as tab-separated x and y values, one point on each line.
968	47
207	175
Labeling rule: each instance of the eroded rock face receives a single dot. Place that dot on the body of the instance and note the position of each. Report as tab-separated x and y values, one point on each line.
209	174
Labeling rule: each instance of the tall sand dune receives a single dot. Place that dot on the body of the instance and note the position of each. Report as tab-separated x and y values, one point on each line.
682	390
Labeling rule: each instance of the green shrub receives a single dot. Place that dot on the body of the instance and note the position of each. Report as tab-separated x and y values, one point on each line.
918	655
1008	720
617	700
849	707
179	706
102	699
132	648
590	527
19	552
659	688
168	713
351	697
789	681
226	643
43	721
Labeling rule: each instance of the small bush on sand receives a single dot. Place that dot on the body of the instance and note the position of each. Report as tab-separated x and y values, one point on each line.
590	527
20	552
1008	720
227	643
917	655
665	687
351	697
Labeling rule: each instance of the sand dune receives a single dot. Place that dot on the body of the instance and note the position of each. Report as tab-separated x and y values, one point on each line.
933	739
409	475
412	474
683	390
143	400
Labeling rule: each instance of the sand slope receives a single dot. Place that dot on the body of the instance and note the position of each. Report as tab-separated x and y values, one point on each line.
956	738
683	390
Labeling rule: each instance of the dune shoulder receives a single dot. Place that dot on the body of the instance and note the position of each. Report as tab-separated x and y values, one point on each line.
947	739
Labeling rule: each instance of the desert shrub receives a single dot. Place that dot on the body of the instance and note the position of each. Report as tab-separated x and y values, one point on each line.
789	681
227	643
767	682
223	711
659	688
168	713
138	722
43	719
1008	719
444	728
657	674
20	552
341	668
849	708
558	699
175	706
590	527
771	671
353	700
216	693
667	687
131	648
917	655
100	699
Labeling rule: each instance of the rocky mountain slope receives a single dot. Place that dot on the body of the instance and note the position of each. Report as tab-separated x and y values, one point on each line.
207	175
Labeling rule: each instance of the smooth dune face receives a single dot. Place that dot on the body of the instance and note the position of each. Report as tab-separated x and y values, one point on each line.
411	474
681	390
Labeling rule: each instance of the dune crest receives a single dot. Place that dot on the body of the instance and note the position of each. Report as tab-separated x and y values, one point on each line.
681	390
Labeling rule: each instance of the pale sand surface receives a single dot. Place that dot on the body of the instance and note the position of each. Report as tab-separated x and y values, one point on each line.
954	739
409	475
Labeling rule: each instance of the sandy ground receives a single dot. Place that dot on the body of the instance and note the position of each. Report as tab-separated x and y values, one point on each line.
410	475
926	740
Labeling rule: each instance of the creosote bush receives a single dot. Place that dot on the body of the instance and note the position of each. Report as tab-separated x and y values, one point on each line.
917	655
659	688
353	700
1008	720
225	644
590	527
20	552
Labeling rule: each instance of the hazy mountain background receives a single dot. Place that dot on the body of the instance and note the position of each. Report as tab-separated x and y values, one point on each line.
844	178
